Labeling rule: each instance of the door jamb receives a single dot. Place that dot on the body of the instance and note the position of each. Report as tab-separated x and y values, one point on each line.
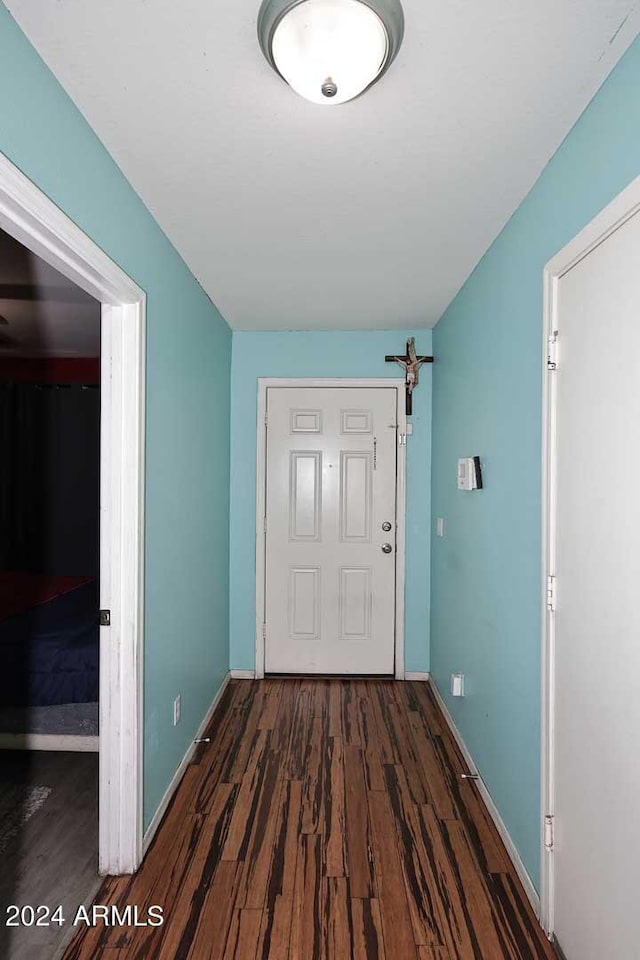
265	384
613	216
29	216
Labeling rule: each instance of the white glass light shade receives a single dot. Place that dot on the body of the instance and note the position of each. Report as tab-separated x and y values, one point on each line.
329	51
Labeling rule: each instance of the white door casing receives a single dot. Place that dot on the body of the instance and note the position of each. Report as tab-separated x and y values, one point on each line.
30	217
591	666
330	480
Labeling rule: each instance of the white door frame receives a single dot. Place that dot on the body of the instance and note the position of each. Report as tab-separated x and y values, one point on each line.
261	482
30	217
624	206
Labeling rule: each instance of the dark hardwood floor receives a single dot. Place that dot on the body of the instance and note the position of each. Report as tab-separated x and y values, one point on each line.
53	859
326	819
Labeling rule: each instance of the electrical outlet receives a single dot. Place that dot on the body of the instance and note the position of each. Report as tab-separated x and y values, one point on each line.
457	684
176	710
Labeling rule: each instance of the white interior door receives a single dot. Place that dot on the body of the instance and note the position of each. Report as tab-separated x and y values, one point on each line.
595	654
330	530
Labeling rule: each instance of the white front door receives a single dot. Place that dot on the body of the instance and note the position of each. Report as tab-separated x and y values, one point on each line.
596	651
330	530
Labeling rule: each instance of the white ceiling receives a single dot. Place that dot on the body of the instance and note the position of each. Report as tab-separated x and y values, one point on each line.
46	315
370	214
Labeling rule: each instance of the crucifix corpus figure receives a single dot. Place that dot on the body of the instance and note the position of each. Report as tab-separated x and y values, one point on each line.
411	364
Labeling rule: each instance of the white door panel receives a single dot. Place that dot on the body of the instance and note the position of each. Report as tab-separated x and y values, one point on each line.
596	655
331	484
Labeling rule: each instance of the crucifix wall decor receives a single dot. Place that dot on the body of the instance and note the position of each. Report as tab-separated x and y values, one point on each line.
411	364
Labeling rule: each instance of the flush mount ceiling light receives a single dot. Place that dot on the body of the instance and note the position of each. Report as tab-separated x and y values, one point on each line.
329	51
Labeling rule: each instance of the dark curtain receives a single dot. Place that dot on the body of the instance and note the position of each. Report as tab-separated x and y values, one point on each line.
49	478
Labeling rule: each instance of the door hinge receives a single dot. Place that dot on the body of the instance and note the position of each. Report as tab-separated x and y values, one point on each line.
552	350
104	618
548	832
266	419
265	525
551	593
264	631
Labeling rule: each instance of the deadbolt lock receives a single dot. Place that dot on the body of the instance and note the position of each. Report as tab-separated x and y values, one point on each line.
386	526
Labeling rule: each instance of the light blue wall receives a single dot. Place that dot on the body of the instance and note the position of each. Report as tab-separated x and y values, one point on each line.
486	579
188	369
319	354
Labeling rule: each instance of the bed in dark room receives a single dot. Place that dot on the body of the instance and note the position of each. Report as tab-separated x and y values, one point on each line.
49	648
49	555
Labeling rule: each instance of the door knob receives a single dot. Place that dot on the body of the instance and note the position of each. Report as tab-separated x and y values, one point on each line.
386	526
386	548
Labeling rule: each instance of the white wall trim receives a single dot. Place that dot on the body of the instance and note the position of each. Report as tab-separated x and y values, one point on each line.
243	674
66	742
29	216
264	383
416	675
184	763
511	848
624	206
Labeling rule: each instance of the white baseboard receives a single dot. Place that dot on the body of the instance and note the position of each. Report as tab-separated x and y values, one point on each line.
520	868
178	775
416	675
243	674
49	741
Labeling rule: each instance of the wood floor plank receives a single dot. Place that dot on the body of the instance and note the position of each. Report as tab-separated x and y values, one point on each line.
422	695
216	758
379	705
301	725
308	931
172	869
437	784
248	799
259	851
244	930
284	724
280	883
90	941
405	750
471	810
319	690
350	715
182	912
315	792
394	908
248	734
335	708
367	942
275	932
371	747
493	937
511	900
422	906
240	692
455	917
282	872
358	830
337	919
335	822
215	916
298	834
271	705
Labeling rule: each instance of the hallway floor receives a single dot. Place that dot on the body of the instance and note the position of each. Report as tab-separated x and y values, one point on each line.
326	819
